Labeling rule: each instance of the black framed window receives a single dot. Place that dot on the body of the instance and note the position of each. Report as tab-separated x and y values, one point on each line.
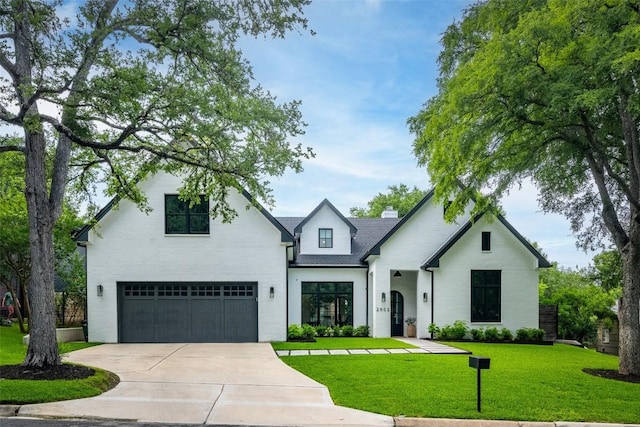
327	303
486	240
325	238
182	219
486	288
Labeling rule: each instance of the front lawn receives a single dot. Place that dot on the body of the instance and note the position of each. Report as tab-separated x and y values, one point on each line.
12	352
525	382
351	343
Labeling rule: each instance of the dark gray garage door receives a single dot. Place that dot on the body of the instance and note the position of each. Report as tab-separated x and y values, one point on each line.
188	312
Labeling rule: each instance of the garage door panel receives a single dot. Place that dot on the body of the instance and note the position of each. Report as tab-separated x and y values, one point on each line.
172	320
188	312
240	326
141	314
206	317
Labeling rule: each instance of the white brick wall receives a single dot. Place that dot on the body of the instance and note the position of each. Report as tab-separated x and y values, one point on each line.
134	247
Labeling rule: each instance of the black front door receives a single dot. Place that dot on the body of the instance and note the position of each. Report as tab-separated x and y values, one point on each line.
397	314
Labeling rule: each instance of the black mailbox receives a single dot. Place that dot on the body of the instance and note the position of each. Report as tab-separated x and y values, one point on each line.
479	362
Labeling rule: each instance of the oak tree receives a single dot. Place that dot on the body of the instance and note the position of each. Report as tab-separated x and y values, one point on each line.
121	90
546	90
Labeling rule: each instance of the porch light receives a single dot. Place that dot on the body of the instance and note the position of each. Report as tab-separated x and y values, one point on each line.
271	292
425	297
397	274
100	290
384	297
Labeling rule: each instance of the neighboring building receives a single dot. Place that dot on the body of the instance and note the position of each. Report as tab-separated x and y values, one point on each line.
607	339
176	275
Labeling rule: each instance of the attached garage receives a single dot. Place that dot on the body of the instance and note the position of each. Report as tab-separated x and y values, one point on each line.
163	312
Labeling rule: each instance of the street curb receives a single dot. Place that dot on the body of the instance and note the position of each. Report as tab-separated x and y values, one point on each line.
448	422
9	410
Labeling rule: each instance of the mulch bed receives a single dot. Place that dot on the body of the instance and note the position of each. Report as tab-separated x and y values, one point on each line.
59	372
612	375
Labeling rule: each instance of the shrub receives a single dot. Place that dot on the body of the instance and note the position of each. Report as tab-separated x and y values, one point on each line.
308	332
322	331
536	334
294	332
347	331
457	331
337	331
491	334
434	330
529	334
477	334
361	331
506	334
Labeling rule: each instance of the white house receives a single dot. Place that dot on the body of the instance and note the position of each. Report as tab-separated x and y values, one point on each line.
176	275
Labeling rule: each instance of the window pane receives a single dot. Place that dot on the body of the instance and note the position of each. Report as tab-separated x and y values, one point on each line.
174	205
202	207
199	223
344	287
327	310
310	309
327	287
308	287
176	224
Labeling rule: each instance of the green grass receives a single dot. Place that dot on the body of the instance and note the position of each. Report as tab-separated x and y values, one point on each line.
12	352
342	344
525	382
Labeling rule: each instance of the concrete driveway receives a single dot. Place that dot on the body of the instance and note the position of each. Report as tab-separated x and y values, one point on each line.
237	384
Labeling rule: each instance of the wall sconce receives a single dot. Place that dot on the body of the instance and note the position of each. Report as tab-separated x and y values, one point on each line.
100	290
271	292
397	274
384	297
425	297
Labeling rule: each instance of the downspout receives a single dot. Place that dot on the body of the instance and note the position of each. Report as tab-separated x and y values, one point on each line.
432	304
366	319
286	261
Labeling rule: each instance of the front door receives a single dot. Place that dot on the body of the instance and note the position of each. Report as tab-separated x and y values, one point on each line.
397	314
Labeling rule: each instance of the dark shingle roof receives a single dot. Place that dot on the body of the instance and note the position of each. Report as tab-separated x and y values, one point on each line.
370	231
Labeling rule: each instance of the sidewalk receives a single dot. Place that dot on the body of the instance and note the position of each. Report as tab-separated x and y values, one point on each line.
423	346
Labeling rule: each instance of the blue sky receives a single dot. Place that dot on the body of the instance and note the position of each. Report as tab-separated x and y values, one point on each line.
371	66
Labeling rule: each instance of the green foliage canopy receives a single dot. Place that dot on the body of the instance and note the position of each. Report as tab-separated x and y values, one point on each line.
581	304
400	197
538	89
545	90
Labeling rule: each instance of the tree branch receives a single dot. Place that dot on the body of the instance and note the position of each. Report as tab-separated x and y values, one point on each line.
609	215
14	148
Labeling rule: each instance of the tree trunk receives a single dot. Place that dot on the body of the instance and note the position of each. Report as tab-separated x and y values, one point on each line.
43	348
629	310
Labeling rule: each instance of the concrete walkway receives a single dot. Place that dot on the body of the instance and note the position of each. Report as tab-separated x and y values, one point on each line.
234	384
422	346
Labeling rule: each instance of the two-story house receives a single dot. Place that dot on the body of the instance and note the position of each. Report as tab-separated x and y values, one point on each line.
176	275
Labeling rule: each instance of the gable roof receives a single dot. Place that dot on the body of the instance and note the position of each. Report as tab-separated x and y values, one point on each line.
375	250
325	202
83	234
434	260
370	231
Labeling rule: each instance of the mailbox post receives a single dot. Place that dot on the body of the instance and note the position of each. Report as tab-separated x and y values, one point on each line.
479	363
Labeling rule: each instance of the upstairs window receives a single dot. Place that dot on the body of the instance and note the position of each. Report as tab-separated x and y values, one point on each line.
182	219
325	238
486	241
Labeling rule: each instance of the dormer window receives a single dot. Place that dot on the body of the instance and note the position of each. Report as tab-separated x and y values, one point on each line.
325	238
